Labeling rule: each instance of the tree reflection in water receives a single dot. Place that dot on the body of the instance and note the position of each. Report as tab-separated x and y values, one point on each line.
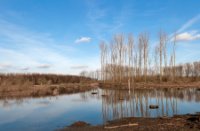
120	103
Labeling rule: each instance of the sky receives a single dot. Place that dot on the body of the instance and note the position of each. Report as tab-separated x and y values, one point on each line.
63	36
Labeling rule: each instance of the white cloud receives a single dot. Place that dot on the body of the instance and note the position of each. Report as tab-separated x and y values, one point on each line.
83	40
188	36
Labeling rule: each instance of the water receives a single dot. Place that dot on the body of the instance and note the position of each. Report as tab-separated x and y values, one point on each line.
51	113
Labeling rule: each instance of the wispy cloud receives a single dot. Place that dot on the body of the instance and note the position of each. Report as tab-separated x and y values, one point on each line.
83	40
44	66
189	23
186	49
188	36
104	21
5	65
26	50
24	68
79	67
23	48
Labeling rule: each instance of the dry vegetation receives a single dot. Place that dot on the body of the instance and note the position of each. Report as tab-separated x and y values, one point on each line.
189	122
130	60
20	85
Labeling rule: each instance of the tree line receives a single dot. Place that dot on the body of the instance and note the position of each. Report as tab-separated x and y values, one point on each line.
129	59
39	79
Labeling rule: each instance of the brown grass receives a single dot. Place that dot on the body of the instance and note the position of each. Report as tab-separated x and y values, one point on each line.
23	85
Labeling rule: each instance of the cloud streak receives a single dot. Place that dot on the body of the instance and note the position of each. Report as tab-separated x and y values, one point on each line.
23	48
104	21
189	23
44	66
79	67
5	66
25	68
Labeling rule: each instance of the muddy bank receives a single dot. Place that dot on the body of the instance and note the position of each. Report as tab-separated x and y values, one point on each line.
149	85
175	123
17	91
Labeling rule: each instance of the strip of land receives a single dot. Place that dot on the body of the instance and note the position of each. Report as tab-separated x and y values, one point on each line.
39	85
176	123
150	85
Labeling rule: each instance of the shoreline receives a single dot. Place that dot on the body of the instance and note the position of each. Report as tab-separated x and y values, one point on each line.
149	85
46	90
18	91
176	123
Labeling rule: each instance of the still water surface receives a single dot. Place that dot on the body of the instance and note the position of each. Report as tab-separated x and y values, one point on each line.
51	113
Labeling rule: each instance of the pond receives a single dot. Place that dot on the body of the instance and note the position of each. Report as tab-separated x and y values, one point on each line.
95	107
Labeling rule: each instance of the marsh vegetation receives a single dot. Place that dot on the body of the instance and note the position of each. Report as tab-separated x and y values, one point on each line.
35	85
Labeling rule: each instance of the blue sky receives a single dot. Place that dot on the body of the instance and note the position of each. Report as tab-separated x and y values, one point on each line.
62	36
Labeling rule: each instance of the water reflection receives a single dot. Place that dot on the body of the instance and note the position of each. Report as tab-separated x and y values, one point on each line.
96	107
118	104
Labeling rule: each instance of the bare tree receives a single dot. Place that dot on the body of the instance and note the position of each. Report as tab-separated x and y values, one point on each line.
188	69
161	44
140	53
156	57
145	43
122	61
103	58
174	57
130	58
